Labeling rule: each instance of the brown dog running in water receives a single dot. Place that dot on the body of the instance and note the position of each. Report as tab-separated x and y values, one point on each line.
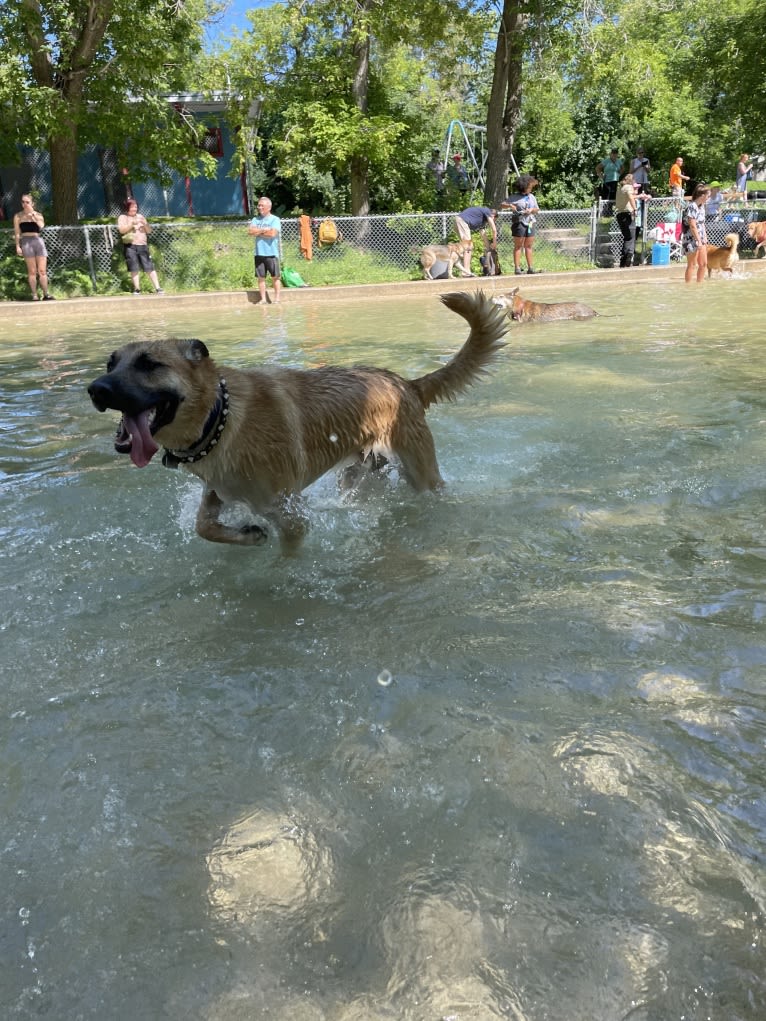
757	231
451	254
523	311
723	257
260	436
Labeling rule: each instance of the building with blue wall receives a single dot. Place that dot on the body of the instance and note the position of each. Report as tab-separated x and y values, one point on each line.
103	184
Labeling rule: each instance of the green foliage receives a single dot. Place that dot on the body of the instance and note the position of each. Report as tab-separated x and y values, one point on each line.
301	58
683	78
75	72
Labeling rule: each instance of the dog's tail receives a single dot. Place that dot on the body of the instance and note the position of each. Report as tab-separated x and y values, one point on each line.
488	326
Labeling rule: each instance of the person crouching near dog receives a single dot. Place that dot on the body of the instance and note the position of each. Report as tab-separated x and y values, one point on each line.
27	226
694	234
267	231
475	218
133	230
524	206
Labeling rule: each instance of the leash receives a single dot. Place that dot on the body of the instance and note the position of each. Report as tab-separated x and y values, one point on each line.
211	433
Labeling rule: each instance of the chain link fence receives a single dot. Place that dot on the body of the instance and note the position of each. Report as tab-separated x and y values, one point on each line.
666	213
218	255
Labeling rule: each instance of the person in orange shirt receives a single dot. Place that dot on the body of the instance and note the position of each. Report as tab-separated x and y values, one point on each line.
677	178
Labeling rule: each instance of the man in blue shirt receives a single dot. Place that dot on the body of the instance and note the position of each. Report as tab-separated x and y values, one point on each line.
609	170
475	218
267	231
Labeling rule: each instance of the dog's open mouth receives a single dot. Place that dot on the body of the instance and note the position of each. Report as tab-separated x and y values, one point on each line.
135	435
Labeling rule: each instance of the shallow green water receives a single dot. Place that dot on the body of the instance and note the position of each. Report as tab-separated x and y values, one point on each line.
216	806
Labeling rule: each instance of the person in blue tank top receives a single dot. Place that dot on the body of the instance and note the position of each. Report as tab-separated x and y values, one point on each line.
267	231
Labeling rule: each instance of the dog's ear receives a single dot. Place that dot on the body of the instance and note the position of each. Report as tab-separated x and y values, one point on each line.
513	293
193	350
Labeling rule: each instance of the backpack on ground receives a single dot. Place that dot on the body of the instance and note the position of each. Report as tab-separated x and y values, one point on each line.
327	233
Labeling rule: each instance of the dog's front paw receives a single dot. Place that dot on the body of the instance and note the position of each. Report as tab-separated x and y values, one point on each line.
253	535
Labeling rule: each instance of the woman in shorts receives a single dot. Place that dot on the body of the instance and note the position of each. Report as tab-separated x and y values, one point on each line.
133	230
27	228
524	206
694	234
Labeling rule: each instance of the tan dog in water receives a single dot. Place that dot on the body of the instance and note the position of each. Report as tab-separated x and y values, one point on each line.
260	436
723	257
757	231
451	254
524	311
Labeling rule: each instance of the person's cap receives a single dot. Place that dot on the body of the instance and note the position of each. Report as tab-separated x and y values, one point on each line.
715	184
457	156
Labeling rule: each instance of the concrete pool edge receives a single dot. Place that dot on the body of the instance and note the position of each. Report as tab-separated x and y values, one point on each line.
120	304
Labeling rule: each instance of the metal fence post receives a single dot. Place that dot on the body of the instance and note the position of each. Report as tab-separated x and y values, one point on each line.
593	231
89	255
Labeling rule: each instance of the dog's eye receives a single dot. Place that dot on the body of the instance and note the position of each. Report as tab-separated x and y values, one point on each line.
112	361
146	363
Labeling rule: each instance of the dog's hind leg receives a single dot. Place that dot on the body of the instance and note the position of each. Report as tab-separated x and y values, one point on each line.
210	527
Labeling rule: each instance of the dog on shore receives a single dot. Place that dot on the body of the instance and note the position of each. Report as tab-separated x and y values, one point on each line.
451	254
524	311
757	231
261	436
723	257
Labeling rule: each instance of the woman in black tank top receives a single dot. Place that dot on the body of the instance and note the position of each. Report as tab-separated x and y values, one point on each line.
27	228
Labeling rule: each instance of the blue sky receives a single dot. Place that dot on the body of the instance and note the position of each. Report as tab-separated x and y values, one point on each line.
235	18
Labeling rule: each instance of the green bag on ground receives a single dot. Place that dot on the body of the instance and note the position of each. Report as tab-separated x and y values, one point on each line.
292	278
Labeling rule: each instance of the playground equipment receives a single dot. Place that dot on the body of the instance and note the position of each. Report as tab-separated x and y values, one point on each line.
471	141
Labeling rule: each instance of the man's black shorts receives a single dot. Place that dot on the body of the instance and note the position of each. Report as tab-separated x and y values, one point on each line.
137	257
267	264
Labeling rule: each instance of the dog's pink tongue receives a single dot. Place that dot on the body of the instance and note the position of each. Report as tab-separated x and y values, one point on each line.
142	447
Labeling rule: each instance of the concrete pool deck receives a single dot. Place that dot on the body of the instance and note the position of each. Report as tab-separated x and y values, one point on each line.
120	304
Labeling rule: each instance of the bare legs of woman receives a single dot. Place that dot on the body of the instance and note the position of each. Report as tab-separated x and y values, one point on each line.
37	275
523	245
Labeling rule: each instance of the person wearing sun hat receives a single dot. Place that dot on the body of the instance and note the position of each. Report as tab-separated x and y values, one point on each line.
713	204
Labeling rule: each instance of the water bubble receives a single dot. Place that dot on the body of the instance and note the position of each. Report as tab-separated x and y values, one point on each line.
385	678
333	438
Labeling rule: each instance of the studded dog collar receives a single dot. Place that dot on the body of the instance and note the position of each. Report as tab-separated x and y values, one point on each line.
211	433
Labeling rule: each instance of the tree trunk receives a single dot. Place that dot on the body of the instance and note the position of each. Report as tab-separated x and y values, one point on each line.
360	185
63	154
504	109
89	25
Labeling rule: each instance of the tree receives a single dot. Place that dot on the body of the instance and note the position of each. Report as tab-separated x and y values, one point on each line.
80	71
355	92
504	108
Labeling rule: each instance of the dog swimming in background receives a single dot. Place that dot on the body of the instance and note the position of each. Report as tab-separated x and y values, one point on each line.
261	436
723	257
451	254
524	311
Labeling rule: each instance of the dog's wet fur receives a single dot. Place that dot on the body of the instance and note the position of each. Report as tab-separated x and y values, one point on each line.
269	432
757	231
723	257
523	310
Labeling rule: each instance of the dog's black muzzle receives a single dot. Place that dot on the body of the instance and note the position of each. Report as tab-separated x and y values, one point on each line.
111	392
